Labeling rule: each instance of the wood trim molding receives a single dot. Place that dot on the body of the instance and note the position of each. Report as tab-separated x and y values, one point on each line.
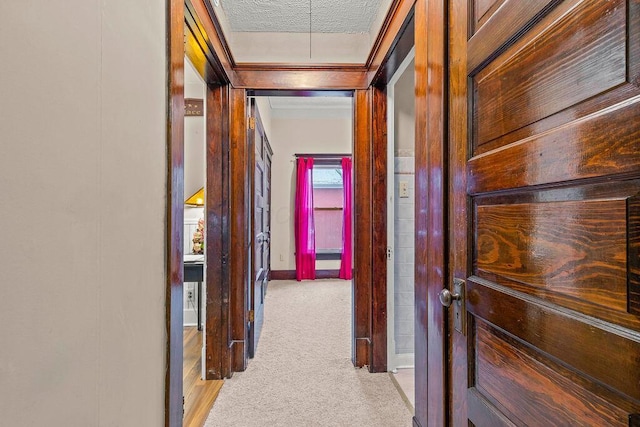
220	34
458	149
395	23
217	238
269	66
239	233
292	77
379	232
199	50
282	275
430	224
215	39
394	8
363	239
175	212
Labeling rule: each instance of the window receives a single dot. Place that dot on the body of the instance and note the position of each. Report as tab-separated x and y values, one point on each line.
327	208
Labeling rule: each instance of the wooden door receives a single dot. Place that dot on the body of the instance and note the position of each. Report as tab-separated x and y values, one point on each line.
545	128
266	253
260	226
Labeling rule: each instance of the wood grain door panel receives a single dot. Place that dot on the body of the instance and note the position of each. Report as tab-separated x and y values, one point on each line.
531	389
574	251
536	95
549	119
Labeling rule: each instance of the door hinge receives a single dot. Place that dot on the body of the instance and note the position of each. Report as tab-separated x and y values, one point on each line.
183	406
252	122
252	316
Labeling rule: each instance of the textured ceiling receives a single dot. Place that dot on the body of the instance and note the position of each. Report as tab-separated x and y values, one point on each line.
292	16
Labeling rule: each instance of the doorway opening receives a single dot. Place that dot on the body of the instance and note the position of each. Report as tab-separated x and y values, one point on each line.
323	126
199	393
401	225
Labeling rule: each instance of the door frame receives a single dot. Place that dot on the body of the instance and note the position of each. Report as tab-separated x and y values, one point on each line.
431	220
406	361
218	67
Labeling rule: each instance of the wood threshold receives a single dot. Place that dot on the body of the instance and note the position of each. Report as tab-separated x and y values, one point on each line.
199	395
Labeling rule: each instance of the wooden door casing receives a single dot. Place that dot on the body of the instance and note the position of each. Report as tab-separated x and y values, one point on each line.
217	236
239	233
209	52
545	176
430	211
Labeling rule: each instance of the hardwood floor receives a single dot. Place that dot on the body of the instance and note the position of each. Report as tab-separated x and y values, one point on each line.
199	395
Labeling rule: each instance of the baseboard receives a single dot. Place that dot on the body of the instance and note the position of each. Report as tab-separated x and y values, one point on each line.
401	361
362	354
190	317
237	351
291	274
282	275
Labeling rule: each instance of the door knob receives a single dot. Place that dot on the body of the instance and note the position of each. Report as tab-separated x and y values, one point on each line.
447	298
457	299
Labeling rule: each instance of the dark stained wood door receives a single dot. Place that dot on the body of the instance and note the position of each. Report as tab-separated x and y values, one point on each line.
266	253
261	225
545	211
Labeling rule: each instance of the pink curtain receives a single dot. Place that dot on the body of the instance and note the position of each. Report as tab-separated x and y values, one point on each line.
305	233
346	270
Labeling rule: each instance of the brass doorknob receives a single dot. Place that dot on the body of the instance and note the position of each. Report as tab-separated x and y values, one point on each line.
447	298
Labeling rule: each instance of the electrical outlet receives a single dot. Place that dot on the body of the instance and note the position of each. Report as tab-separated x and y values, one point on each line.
190	295
404	189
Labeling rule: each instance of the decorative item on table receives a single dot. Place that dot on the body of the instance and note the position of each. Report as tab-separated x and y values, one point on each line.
198	238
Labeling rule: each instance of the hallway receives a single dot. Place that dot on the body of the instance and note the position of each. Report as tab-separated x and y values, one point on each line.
302	373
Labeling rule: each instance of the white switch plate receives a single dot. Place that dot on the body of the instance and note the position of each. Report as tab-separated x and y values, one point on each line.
404	189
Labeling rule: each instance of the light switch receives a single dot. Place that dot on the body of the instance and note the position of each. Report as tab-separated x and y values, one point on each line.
404	189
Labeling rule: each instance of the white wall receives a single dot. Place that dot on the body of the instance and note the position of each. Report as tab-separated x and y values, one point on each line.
404	256
325	47
300	131
404	113
82	213
404	222
194	141
264	108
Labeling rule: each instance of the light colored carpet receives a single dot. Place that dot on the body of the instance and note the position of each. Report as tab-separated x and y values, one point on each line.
302	373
